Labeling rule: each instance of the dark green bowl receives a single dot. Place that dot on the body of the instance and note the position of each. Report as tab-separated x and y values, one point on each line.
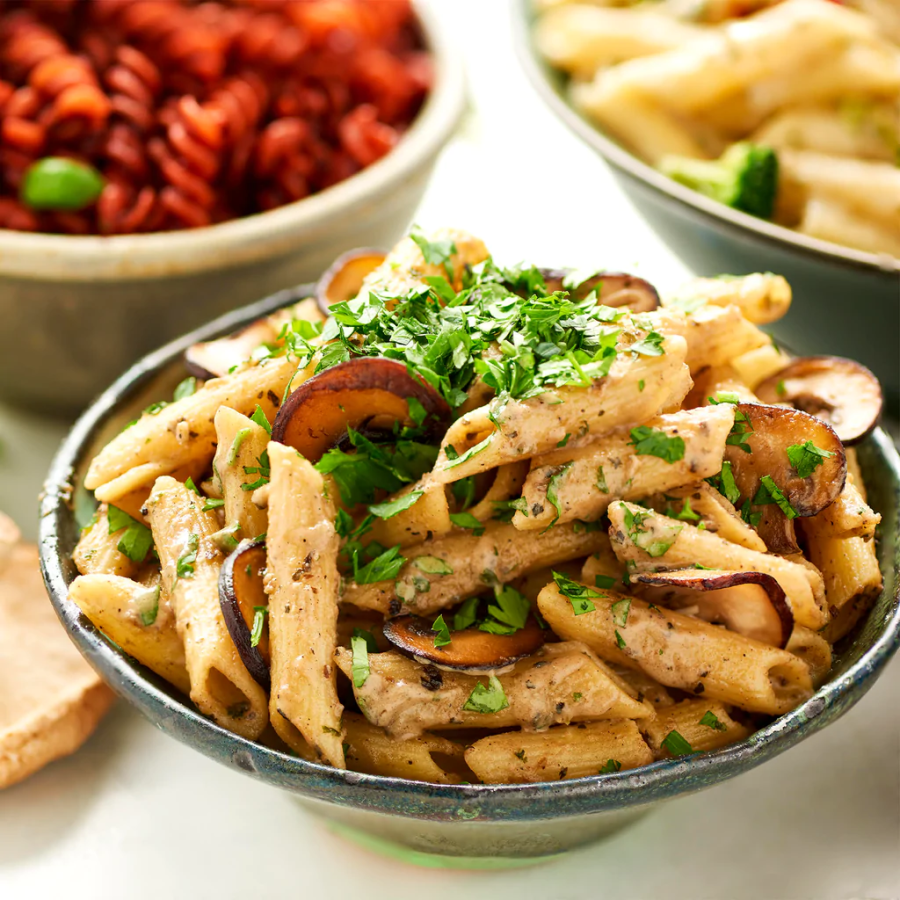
476	825
846	302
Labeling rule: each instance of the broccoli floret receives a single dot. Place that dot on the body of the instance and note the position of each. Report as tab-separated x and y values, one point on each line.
745	178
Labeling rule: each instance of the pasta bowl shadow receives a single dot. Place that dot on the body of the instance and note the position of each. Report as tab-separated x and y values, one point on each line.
77	311
846	301
479	826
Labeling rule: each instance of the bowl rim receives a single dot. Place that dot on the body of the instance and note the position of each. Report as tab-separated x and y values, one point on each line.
495	803
627	163
51	257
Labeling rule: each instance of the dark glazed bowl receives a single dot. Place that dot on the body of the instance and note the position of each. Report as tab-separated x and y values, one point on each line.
479	825
846	302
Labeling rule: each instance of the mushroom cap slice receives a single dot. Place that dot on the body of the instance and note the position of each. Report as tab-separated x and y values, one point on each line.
749	603
839	391
616	289
769	432
214	359
240	592
367	394
469	650
344	278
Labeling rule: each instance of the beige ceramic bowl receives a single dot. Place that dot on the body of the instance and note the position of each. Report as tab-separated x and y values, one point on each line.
77	311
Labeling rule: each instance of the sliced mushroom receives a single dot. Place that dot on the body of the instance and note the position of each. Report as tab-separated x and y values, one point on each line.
615	289
469	650
838	391
345	277
241	595
213	359
367	394
749	603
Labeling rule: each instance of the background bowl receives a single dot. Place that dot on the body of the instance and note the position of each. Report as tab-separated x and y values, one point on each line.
846	302
479	825
77	311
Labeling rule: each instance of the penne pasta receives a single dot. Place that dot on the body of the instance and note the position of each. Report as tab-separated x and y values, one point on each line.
813	649
762	298
682	652
580	484
135	617
704	724
558	684
849	516
97	551
190	561
302	583
446	571
428	517
563	752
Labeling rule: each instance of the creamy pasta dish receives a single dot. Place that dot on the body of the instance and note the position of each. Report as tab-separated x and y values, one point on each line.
455	522
785	109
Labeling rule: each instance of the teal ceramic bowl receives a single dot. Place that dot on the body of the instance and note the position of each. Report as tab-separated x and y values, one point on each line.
481	826
846	302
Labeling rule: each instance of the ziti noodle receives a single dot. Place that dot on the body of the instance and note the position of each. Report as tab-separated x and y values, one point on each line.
463	522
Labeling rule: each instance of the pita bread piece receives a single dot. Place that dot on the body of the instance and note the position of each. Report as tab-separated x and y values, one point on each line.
50	698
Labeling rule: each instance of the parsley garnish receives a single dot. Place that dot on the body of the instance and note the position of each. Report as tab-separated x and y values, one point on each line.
508	613
620	610
487	698
611	766
235	448
654	542
739	431
442	632
432	565
564	441
724	397
436	253
553	486
466	615
394	507
467	520
417	412
650	345
359	669
263	470
579	595
805	458
655	442
260	418
149	607
259	620
458	460
136	541
212	503
601	481
769	492
383	567
676	744
189	484
184	567
725	484
185	388
620	641
710	720
368	637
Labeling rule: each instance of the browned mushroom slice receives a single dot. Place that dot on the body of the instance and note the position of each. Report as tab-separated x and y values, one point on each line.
839	391
245	605
213	359
769	432
366	394
345	277
469	650
615	289
749	603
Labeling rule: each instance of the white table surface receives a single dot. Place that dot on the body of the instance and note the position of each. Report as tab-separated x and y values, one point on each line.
135	815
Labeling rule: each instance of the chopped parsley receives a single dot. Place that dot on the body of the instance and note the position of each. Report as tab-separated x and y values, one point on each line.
259	417
442	632
225	538
212	503
368	637
189	484
466	615
655	442
467	520
564	441
620	641
359	668
711	720
508	613
620	610
149	606
676	744
739	431
263	470
553	486
394	507
725	484
579	595
235	448
724	397
436	253
780	389
611	766
185	388
184	567
769	492
383	567
654	542
686	513
136	539
487	698
259	620
432	565
601	481
805	458
520	754
472	451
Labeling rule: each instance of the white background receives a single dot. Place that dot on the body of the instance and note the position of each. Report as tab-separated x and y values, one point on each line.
136	815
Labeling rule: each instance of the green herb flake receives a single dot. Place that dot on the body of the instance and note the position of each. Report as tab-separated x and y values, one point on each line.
601	481
467	520
185	388
189	484
472	451
769	492
359	669
432	565
620	610
655	442
487	698
184	567
564	441
620	641
259	620
553	486
149	606
610	767
235	448
383	567
442	632
393	507
466	615
710	720
577	696
520	754
211	503
368	637
508	613
136	540
417	412
724	397
805	458
676	744
579	595
259	417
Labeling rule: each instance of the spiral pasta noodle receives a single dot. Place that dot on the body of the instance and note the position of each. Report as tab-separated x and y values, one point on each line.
196	113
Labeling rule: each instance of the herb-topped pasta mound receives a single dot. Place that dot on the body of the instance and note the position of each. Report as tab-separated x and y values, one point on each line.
450	521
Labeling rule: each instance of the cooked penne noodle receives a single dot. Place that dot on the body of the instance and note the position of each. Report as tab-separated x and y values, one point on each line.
854	473
832	220
135	617
564	751
184	431
580	484
848	516
369	749
813	649
428	517
686	546
848	565
240	446
448	570
603	563
302	582
682	652
539	424
97	551
704	724
757	365
558	684
647	688
190	561
507	484
714	381
762	298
